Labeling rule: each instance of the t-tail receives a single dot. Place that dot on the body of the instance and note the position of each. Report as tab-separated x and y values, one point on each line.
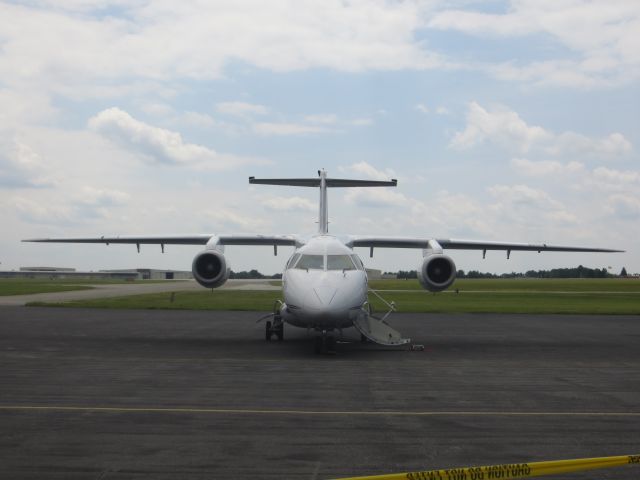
323	182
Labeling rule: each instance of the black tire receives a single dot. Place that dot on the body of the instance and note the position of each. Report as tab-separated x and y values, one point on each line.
280	333
331	344
318	345
268	331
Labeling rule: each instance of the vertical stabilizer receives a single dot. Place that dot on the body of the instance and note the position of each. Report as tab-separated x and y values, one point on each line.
323	217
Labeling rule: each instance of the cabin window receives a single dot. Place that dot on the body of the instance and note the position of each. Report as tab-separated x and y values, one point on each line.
340	262
313	262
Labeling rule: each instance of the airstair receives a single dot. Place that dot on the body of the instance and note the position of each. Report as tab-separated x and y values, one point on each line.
377	329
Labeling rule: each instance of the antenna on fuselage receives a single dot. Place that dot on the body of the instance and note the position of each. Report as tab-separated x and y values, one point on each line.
323	182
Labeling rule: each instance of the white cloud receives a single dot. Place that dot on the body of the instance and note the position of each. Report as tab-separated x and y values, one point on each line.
562	217
42	213
545	167
102	197
45	45
613	145
227	218
86	205
577	177
285	129
523	195
19	105
376	198
199	120
422	108
157	109
323	119
502	127
301	125
532	212
21	166
602	36
289	204
626	206
241	109
157	144
361	122
369	171
166	114
616	178
506	129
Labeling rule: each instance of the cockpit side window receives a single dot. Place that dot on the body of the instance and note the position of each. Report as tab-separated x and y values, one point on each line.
340	262
292	261
357	261
313	262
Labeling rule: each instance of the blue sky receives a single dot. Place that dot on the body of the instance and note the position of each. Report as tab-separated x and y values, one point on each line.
512	121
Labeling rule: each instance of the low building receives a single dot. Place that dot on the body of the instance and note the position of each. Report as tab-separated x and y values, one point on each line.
53	273
155	274
374	274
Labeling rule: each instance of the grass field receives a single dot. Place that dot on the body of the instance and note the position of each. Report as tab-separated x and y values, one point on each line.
577	296
523	284
26	286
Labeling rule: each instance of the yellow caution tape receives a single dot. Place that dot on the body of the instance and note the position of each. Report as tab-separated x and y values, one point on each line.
509	471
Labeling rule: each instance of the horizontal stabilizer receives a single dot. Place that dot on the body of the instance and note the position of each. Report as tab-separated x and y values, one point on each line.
315	182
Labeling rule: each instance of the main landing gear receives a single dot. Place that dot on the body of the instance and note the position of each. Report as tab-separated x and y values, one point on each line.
277	326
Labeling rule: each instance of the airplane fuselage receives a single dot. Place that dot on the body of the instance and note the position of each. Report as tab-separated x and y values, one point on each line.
324	285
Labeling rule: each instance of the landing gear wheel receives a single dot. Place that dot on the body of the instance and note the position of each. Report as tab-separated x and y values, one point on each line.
330	345
325	344
278	327
268	331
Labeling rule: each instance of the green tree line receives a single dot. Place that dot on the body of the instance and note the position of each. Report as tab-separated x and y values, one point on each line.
576	272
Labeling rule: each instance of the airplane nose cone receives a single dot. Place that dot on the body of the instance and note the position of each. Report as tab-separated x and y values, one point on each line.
319	298
325	294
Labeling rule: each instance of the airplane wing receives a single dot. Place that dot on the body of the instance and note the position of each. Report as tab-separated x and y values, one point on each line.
197	239
445	243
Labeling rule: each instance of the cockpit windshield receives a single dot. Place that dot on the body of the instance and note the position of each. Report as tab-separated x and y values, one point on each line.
313	262
340	262
322	262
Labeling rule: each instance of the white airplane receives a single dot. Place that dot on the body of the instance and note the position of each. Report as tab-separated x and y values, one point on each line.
324	282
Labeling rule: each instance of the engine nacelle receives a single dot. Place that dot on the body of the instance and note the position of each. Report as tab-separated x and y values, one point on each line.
437	272
210	269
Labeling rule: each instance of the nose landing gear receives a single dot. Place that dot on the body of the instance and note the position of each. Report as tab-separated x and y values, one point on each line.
325	344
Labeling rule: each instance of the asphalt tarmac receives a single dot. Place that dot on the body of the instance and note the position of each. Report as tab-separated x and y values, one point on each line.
124	289
107	394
